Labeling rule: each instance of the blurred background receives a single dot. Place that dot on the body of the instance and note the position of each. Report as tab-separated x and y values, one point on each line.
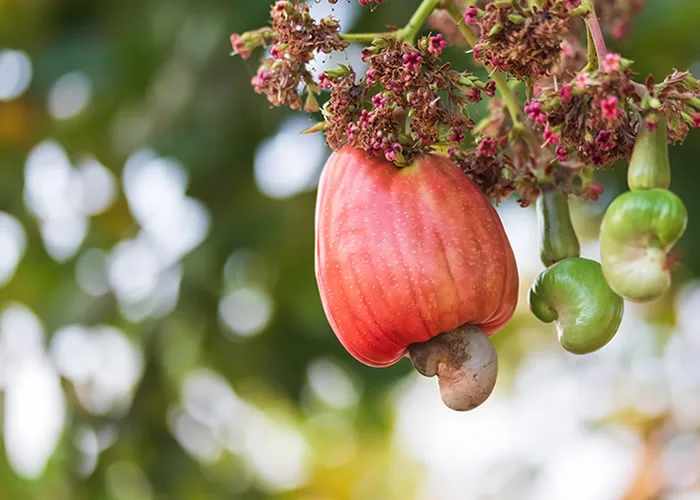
161	335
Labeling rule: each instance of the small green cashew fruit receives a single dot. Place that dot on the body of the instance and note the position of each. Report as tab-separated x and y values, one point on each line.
638	231
574	294
650	167
558	239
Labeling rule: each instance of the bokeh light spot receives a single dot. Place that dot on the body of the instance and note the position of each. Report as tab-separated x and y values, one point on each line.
91	272
13	242
15	74
133	270
69	95
278	454
99	186
331	384
103	364
246	311
289	163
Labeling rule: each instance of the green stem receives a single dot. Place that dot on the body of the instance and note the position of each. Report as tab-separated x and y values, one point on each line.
501	84
406	34
409	32
593	62
558	240
364	37
649	166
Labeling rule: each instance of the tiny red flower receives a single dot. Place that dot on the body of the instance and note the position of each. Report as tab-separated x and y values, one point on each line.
566	92
487	147
594	191
534	111
550	136
562	153
457	136
605	140
436	44
609	107
412	60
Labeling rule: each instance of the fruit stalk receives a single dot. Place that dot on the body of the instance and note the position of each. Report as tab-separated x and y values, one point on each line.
558	239
650	167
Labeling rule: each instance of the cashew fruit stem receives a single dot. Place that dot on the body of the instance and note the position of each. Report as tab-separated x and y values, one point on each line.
650	167
465	363
558	239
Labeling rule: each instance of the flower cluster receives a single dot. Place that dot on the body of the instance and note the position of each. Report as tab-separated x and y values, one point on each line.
243	45
407	103
572	57
410	103
615	16
294	36
522	41
441	21
678	99
361	2
595	117
488	166
592	118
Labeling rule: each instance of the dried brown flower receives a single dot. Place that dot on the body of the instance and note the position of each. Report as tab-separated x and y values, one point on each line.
572	58
296	36
441	21
522	41
592	118
488	166
678	99
407	103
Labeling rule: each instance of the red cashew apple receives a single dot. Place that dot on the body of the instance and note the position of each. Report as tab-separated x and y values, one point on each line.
406	255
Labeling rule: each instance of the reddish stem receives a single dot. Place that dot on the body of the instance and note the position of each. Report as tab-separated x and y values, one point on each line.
596	34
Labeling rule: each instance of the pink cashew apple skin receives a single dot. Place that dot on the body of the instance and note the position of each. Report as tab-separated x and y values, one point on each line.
405	254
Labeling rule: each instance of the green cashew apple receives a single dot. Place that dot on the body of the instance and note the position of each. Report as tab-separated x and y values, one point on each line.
574	295
639	230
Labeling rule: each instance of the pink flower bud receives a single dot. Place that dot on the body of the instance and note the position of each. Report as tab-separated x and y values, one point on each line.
471	16
239	47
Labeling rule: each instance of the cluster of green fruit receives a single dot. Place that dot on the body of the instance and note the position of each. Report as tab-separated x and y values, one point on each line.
639	230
